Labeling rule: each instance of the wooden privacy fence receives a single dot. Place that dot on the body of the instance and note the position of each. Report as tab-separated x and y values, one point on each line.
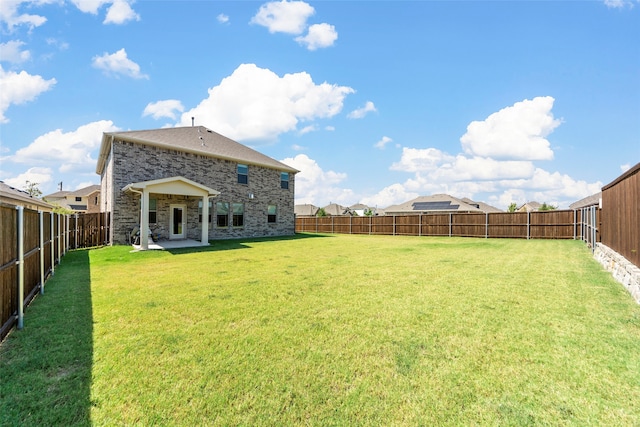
557	224
33	243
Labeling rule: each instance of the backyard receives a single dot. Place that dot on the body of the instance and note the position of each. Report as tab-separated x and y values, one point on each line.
328	330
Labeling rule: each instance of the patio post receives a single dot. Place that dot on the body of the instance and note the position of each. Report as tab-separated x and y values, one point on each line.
144	219
205	220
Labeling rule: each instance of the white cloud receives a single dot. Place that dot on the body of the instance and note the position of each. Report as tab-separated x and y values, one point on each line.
308	129
70	151
11	52
166	108
481	169
625	167
314	185
120	12
421	160
38	175
618	4
256	104
222	18
90	6
359	113
383	142
284	16
319	36
18	88
392	195
516	132
11	17
118	63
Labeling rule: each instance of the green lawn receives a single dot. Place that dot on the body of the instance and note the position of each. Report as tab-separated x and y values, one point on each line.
328	330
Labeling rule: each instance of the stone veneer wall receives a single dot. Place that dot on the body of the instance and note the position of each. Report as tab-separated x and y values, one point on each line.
136	162
622	269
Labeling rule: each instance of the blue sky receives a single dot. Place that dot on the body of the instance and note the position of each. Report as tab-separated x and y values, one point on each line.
374	102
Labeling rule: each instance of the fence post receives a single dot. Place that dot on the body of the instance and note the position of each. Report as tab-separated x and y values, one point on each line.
486	225
450	224
59	237
75	234
370	224
528	225
41	223
51	243
20	266
419	225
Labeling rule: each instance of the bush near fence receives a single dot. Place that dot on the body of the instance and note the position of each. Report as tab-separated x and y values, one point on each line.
558	224
30	258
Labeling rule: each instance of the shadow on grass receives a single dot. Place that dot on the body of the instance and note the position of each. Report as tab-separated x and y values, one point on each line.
45	368
241	243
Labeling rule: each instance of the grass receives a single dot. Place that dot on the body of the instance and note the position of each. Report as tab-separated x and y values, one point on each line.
328	330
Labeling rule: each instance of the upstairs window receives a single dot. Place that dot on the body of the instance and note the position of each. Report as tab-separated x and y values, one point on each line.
271	214
238	215
284	180
78	199
243	174
153	211
222	214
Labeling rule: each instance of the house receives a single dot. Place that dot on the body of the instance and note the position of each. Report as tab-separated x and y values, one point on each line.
84	200
192	183
484	207
334	209
592	200
437	203
529	207
14	196
306	210
361	209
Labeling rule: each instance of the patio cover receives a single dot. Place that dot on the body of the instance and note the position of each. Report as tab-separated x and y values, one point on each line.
176	185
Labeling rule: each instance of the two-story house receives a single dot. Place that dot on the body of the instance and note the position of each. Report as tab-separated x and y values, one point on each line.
192	183
84	200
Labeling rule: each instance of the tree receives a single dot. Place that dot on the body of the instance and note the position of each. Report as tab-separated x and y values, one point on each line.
32	189
321	212
547	207
368	212
512	207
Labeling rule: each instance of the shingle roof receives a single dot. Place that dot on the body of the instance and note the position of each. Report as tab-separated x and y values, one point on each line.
194	139
591	200
433	203
86	190
306	209
484	207
20	196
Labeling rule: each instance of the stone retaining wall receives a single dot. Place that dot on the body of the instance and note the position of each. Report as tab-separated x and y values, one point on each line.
621	269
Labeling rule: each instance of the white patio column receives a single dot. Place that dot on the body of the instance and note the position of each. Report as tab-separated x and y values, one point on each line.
205	220
144	219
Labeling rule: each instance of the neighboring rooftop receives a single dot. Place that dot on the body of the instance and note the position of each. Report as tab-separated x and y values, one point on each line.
431	204
591	200
16	196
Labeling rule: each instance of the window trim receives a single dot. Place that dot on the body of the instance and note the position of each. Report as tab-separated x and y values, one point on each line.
243	178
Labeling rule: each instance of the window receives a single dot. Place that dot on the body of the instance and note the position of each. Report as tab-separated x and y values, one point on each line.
153	211
96	201
222	214
200	210
238	215
271	214
284	180
243	174
78	199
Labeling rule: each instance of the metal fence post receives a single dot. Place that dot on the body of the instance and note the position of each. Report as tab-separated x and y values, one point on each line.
51	243
41	223
20	266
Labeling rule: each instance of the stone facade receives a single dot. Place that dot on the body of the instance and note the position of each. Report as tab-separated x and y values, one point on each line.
621	269
130	162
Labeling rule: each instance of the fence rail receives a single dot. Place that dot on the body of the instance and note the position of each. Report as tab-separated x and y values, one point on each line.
33	243
559	224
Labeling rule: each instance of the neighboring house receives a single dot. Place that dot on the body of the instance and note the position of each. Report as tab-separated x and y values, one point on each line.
84	200
334	209
192	183
437	203
529	207
360	209
306	210
484	207
592	200
14	196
